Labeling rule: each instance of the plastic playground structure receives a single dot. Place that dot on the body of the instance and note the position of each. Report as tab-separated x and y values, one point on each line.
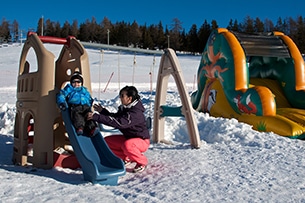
42	133
52	130
257	79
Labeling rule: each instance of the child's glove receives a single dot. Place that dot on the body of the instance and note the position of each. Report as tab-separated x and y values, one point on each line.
63	106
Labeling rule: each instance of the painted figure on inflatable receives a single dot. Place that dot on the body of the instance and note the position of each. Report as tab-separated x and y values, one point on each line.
257	79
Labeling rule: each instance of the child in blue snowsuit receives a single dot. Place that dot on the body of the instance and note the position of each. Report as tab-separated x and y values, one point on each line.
75	96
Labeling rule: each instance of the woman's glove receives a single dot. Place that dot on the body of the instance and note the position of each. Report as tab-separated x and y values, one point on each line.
98	108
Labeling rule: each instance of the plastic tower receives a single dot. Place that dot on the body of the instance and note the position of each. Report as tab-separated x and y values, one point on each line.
36	109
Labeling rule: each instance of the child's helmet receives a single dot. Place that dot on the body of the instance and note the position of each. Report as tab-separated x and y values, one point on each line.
77	75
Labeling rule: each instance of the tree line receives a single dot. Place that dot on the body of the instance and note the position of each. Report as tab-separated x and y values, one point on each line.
154	36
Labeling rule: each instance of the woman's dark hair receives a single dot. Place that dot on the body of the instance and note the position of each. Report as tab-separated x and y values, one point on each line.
131	91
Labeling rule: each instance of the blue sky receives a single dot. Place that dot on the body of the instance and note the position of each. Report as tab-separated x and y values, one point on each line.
27	13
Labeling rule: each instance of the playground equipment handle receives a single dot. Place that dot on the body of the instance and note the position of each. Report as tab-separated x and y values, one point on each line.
54	40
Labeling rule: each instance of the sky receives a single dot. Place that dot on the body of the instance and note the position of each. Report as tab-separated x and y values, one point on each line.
233	164
27	13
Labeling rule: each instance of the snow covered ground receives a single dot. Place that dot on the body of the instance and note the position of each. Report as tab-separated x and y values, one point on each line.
234	163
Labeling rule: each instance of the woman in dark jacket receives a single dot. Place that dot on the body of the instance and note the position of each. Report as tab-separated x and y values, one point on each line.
130	120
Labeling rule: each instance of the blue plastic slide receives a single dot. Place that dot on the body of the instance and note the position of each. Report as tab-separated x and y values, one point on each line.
98	163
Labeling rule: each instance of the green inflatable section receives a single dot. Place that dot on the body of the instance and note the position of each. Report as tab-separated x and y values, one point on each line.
257	79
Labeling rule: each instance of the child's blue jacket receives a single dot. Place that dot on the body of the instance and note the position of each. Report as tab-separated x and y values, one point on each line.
70	95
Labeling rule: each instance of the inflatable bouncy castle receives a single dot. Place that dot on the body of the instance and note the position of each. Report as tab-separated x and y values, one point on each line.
257	79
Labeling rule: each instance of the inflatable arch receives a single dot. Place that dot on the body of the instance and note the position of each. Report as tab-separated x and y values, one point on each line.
257	79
